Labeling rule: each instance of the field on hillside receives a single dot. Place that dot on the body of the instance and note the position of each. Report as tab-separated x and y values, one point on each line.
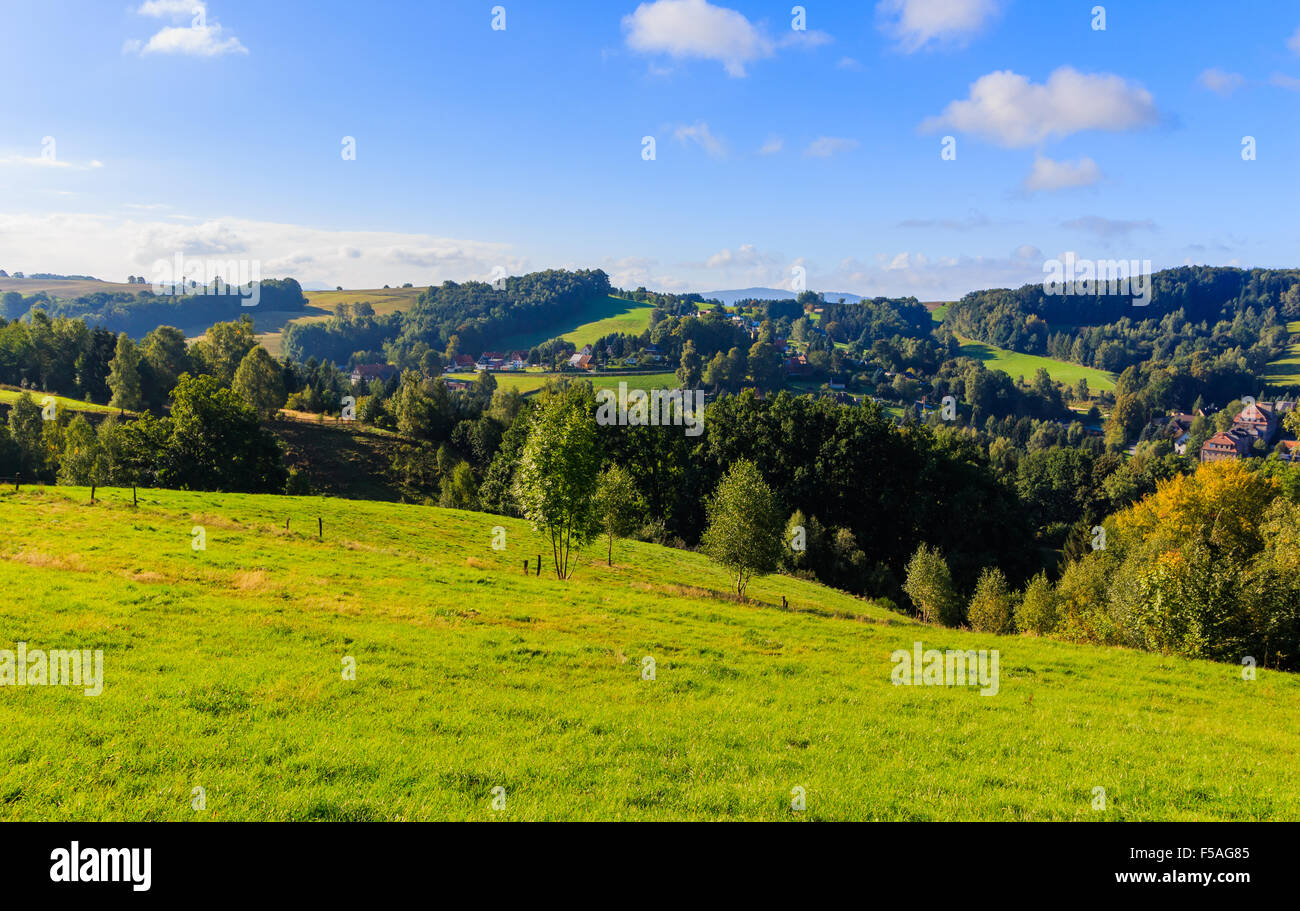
224	670
1286	371
384	300
599	317
531	382
1019	365
66	289
11	394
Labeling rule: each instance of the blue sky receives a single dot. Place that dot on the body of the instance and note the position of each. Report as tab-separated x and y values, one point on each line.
522	148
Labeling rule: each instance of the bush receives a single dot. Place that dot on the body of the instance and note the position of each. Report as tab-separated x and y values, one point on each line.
1037	611
990	608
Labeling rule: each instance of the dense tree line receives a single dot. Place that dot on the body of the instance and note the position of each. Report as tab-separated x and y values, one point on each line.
1195	312
138	313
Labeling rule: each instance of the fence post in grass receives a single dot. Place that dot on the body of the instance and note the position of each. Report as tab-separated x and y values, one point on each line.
320	528
92	493
539	564
785	605
17	478
286	524
134	501
525	567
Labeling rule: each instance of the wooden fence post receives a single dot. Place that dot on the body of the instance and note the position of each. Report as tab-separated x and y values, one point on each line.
539	564
320	528
135	502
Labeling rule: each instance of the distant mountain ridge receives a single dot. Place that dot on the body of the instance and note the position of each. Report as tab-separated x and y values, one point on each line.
730	297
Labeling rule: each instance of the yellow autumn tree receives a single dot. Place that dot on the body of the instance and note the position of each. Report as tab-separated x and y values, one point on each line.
1222	506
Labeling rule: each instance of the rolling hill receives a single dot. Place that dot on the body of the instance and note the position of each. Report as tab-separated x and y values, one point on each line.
599	317
1286	370
224	670
1018	365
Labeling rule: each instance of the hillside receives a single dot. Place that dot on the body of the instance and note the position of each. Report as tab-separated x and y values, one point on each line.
1286	370
1024	366
599	317
223	671
11	394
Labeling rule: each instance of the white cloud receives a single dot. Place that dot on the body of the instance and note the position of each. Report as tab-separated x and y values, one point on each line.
1220	82
1294	41
915	23
200	38
697	28
195	42
700	134
1283	81
827	146
112	248
1008	109
1049	175
848	63
773	145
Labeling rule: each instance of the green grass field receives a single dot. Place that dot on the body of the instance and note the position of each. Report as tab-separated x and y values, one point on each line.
223	670
1026	365
531	382
599	317
1286	371
10	394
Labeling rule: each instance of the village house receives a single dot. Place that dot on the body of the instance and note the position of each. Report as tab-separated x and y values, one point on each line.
461	362
1177	430
1257	421
366	373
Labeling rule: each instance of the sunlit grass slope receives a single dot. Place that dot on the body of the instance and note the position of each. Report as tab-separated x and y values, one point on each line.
223	671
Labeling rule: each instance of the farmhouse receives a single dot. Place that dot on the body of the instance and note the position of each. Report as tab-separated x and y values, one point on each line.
1257	421
365	373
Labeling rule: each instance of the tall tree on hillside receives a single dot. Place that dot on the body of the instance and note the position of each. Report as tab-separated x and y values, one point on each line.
83	461
165	351
929	585
260	383
619	506
223	347
744	531
556	479
25	428
124	376
692	366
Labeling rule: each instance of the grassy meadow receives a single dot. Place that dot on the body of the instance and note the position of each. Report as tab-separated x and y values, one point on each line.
597	318
1286	370
1018	365
223	671
532	381
11	394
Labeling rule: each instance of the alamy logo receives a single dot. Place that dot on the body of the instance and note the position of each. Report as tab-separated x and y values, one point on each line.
658	408
931	667
58	667
1087	277
232	278
76	864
